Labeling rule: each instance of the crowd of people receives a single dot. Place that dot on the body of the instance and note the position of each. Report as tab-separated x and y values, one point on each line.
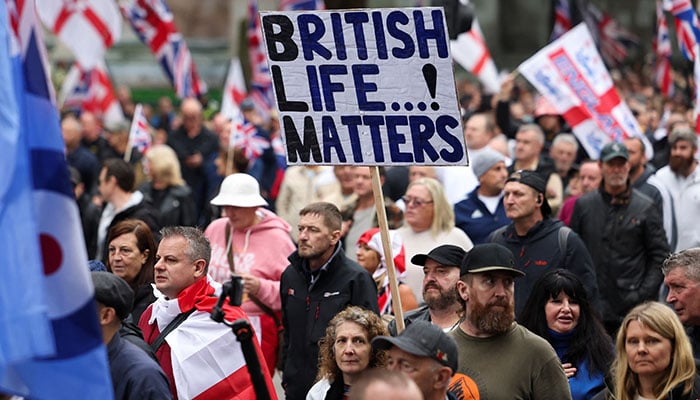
538	271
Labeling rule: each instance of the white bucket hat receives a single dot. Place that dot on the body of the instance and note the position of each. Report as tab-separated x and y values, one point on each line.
239	190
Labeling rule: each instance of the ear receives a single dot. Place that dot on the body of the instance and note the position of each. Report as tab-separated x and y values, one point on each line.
442	377
200	268
144	256
335	237
106	315
463	290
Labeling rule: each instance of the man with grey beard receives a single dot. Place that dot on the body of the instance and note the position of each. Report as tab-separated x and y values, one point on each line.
442	307
504	359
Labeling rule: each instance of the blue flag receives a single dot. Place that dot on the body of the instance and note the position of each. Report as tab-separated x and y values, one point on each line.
50	341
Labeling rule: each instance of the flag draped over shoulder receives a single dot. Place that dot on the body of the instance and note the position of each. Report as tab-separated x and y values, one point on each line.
571	75
46	281
87	27
155	26
90	90
234	90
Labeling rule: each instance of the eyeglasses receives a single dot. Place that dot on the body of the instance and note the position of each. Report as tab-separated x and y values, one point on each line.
415	201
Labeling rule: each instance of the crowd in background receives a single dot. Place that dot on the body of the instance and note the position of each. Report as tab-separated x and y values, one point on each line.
529	178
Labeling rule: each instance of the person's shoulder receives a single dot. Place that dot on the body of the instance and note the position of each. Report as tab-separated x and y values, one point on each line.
531	341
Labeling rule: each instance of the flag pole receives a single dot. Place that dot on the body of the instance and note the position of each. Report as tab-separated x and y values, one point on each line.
229	152
388	256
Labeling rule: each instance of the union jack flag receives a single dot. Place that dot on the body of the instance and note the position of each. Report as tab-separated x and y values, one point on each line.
154	24
687	25
140	132
299	5
562	18
90	90
662	51
261	82
612	40
246	136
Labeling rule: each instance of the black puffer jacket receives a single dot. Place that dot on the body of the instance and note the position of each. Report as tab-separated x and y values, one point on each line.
626	238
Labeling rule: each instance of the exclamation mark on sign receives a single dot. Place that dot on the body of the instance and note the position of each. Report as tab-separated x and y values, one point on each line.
430	76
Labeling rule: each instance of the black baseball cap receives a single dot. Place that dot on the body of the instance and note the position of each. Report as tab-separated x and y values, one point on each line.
423	339
113	291
489	257
447	254
535	181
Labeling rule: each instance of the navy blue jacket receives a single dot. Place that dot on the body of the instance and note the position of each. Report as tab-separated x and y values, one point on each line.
472	216
135	375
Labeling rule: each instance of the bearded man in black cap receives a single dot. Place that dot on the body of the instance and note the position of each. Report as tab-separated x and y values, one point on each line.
624	233
504	359
539	243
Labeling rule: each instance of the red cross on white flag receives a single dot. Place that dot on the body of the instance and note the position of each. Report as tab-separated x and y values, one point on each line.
87	27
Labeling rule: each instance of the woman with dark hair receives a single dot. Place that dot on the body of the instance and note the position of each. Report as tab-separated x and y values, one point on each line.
132	255
559	311
346	351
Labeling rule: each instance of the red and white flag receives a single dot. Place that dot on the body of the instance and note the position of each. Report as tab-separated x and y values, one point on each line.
140	132
199	344
470	51
87	27
90	90
155	25
570	73
662	53
234	90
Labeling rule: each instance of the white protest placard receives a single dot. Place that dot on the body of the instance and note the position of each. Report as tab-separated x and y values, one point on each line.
570	73
370	87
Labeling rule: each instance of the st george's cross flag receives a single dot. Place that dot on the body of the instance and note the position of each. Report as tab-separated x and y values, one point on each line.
87	27
90	90
571	75
234	90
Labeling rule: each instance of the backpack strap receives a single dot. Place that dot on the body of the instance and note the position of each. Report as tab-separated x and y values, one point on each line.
171	327
498	232
563	236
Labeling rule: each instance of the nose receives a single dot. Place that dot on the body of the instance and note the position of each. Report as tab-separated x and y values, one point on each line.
671	297
349	348
159	266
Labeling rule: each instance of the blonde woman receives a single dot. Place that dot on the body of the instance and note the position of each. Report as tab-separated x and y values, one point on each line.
429	221
654	357
167	190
